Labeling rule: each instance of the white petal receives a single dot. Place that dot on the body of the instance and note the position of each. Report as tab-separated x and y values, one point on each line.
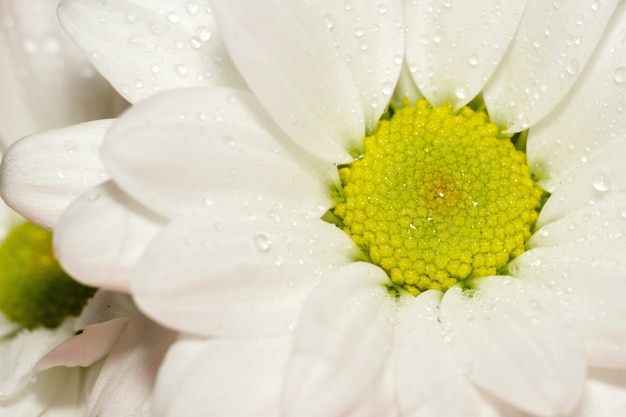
42	174
86	348
222	378
143	48
45	80
123	227
209	141
101	322
22	351
551	46
452	48
342	344
603	179
238	268
588	282
429	382
57	392
406	89
590	225
591	118
125	383
105	306
288	57
369	36
605	395
508	341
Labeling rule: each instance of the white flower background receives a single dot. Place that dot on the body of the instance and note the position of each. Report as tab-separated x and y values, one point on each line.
217	177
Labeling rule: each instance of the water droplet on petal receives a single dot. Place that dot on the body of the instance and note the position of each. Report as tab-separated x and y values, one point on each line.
595	6
191	7
172	17
387	88
473	60
262	242
347	5
181	70
572	68
620	75
204	33
601	181
382	8
95	56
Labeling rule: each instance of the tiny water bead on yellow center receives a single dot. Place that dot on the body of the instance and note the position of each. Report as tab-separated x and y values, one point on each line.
34	290
438	198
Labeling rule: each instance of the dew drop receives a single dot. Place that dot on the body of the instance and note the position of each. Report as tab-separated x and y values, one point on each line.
192	7
329	21
601	181
29	46
473	60
130	18
195	42
620	75
363	45
387	88
359	32
572	68
347	5
136	41
544	231
138	84
397	59
155	68
595	6
181	70
461	93
95	56
262	242
204	33
52	45
172	17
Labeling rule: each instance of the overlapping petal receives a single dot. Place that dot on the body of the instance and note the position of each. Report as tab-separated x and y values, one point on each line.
603	180
244	271
452	48
342	344
123	227
369	37
125	382
593	117
143	47
509	341
297	68
551	46
428	379
587	282
45	80
208	377
203	141
43	173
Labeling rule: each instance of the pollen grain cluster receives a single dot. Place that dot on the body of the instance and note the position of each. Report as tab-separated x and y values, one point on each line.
438	197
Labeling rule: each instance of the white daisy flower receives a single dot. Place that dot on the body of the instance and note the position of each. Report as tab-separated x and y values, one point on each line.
47	369
230	202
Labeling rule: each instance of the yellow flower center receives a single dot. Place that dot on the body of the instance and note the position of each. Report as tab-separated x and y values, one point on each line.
34	290
438	198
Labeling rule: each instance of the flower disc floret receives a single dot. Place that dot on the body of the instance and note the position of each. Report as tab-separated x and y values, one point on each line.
438	198
34	290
